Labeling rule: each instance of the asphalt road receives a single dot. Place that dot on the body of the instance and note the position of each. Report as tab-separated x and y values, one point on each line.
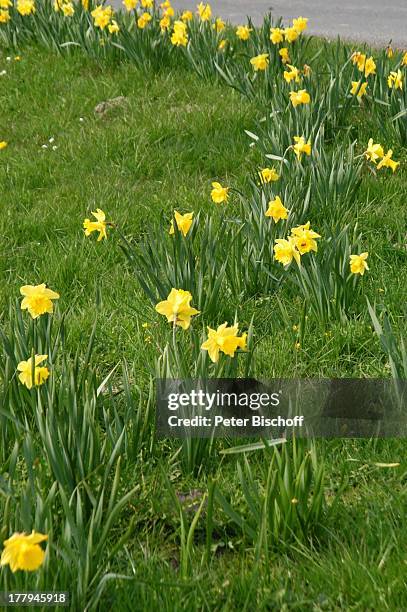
374	21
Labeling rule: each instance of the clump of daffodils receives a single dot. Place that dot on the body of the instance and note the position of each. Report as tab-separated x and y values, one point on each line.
289	34
301	146
395	80
204	11
143	20
179	35
102	16
358	89
366	65
32	373
268	175
130	5
301	241
299	97
26	7
285	57
292	74
375	152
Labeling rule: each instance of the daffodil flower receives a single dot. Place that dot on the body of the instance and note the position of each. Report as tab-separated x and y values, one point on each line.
23	551
183	222
260	62
38	299
223	339
285	251
358	263
277	210
96	226
26	371
177	308
243	32
219	194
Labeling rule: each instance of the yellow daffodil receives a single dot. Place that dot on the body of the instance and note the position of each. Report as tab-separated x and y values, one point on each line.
179	35
268	175
38	299
260	62
96	226
85	4
177	308
169	12
285	251
26	7
113	27
5	4
358	263
143	20
223	339
359	88
300	24
102	16
388	162
283	53
366	65
4	16
183	222
219	194
304	238
147	4
204	11
292	75
276	35
130	5
3	144
301	146
389	51
23	551
187	16
404	59
374	151
165	23
359	59
395	80
68	9
299	97
277	210
243	32
222	44
219	24
26	371
370	67
290	34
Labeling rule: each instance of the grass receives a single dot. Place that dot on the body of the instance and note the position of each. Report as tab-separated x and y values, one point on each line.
160	151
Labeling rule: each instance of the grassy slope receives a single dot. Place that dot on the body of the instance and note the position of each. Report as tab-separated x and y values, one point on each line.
161	151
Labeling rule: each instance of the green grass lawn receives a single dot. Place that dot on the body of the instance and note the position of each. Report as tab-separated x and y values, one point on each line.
161	150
